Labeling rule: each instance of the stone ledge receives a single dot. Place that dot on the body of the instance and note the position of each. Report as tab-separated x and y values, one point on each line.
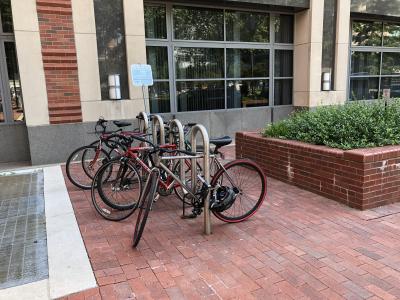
361	178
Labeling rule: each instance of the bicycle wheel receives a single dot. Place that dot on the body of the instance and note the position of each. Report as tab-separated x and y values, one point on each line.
83	164
106	211
145	203
248	182
119	184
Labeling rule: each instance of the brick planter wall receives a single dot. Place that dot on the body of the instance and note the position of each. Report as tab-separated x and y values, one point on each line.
362	178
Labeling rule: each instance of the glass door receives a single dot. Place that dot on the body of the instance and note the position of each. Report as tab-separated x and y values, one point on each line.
11	104
13	82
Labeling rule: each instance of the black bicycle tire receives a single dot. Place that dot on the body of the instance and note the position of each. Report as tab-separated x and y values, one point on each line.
146	200
68	163
260	200
101	211
105	198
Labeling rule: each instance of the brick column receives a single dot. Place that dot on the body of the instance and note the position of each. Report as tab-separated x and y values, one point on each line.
59	60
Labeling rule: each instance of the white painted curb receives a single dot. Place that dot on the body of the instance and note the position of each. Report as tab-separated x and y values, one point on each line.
69	266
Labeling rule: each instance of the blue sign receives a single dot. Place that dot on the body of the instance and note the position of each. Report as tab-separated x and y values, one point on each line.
142	75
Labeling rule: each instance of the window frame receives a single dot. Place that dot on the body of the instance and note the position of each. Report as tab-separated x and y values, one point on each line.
381	49
170	42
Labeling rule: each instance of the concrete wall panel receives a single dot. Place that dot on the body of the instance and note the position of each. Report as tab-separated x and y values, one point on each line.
53	144
29	52
14	146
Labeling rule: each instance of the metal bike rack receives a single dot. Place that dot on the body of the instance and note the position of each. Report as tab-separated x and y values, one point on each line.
158	121
206	169
143	121
175	123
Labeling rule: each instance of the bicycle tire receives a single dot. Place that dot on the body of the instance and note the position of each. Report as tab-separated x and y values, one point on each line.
75	167
246	165
145	203
122	183
106	211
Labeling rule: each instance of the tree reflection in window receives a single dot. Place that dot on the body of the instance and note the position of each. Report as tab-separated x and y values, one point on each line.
391	35
197	23
155	22
366	33
245	63
247	26
6	16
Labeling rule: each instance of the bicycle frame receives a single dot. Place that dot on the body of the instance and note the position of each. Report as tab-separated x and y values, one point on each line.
132	153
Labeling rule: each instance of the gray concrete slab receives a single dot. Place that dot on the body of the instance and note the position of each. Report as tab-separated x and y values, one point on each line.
16	145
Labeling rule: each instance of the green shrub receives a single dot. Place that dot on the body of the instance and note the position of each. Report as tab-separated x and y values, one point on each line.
350	126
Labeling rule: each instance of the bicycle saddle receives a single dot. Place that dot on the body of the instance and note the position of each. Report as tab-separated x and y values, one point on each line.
221	141
121	124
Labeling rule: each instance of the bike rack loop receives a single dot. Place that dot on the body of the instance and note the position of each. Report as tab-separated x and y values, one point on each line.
175	123
143	121
157	120
206	167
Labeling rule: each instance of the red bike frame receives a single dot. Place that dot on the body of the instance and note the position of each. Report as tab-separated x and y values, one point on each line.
132	153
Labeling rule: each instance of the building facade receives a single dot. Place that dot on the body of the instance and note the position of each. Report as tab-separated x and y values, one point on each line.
231	65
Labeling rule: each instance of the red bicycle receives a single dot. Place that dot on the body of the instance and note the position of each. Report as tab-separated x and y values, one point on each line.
83	163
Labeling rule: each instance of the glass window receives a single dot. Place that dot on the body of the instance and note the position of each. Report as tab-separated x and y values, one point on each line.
6	16
214	66
390	86
111	44
367	33
283	63
283	89
159	97
155	21
247	26
14	82
391	63
379	70
247	93
365	63
159	93
245	63
391	35
198	23
199	63
284	25
329	38
157	57
200	95
364	88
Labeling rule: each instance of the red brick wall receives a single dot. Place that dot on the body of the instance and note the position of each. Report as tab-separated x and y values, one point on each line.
59	59
363	178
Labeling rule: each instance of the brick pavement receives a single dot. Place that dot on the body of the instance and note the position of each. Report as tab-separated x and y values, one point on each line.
298	246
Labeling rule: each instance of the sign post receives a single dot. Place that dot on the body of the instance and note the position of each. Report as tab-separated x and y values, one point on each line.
142	75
